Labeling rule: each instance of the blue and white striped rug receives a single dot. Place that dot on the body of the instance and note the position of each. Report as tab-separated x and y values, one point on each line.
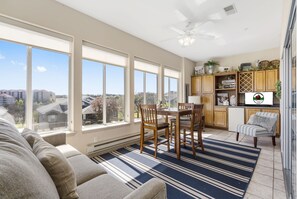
223	171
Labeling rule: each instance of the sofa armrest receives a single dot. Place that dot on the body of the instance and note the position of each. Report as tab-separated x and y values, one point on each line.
55	139
152	189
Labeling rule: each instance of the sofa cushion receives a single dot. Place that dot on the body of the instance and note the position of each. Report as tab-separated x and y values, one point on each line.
84	168
21	173
68	150
58	168
10	133
103	187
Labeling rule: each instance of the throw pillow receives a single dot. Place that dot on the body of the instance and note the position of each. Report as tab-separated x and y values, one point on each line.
266	122
30	136
58	167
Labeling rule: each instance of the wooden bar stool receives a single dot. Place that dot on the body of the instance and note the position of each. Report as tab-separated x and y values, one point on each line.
149	121
195	124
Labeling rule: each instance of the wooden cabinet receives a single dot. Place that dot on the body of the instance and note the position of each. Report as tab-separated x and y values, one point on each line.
208	84
259	81
196	85
220	117
271	79
207	100
265	80
249	112
278	119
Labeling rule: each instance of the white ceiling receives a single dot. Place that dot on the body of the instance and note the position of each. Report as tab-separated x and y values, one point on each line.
255	26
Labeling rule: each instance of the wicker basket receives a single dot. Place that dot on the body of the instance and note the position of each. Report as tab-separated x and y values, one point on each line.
274	63
264	64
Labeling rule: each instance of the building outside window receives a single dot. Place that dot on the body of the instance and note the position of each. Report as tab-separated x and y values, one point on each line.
103	86
145	85
171	87
34	77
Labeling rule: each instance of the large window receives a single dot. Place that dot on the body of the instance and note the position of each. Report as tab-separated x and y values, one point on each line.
50	89
145	85
171	85
13	82
34	78
103	86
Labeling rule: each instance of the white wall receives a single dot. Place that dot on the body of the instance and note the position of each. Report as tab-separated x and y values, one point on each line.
57	17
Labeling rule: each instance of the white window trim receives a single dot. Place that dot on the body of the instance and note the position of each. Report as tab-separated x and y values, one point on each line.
105	124
136	120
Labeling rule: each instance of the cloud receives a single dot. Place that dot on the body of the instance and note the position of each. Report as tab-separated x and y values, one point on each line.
2	56
13	62
41	69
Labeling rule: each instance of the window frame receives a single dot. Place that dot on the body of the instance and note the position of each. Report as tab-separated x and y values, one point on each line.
170	77
29	81
144	87
104	124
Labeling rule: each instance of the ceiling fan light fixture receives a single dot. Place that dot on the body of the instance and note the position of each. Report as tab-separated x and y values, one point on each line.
186	40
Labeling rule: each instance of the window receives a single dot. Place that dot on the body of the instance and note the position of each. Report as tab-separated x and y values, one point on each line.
34	77
171	84
50	89
103	86
13	82
145	85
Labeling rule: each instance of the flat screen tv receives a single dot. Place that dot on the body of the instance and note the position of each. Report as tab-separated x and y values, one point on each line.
259	98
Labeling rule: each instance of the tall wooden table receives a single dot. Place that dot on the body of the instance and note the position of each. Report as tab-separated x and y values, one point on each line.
177	113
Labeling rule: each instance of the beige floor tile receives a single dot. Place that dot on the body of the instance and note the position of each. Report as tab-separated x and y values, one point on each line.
266	156
279	185
278	166
251	196
264	170
279	194
263	179
265	163
278	174
260	190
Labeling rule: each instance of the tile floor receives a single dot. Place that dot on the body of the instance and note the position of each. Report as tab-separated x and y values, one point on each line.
267	181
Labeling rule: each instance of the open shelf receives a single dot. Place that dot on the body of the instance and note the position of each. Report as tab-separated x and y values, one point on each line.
225	89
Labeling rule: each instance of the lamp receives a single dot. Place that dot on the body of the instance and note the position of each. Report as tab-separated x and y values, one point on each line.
194	99
186	39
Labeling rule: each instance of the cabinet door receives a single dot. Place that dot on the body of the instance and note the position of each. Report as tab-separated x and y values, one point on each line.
196	84
220	118
207	100
249	112
271	79
278	119
207	84
259	81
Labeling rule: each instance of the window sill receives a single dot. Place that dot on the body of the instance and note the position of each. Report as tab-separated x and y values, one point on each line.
88	129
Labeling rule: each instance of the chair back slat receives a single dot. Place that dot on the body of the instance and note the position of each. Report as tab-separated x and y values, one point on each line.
149	114
197	114
186	106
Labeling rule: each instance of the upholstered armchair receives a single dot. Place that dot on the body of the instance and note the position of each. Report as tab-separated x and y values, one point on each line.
262	124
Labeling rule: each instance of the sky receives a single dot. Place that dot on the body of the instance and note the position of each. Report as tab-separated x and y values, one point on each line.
50	72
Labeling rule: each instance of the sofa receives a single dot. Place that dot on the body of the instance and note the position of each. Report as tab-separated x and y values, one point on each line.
32	166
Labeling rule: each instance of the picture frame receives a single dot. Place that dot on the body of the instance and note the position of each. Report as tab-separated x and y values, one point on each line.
222	98
199	70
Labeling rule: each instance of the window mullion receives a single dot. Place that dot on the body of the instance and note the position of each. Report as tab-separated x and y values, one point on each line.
104	94
144	88
29	97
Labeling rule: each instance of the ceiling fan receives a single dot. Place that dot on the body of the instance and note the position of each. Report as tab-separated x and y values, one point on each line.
190	26
187	36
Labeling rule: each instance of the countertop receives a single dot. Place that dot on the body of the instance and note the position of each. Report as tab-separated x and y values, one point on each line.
244	106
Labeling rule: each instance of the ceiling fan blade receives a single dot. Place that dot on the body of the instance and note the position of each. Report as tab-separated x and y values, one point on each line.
165	40
185	11
178	31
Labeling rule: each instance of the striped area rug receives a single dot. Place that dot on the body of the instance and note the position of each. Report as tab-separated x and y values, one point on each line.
223	171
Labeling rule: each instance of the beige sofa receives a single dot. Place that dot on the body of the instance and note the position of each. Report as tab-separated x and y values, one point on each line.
23	176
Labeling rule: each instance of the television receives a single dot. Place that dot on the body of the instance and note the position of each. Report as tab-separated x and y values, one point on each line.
258	98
